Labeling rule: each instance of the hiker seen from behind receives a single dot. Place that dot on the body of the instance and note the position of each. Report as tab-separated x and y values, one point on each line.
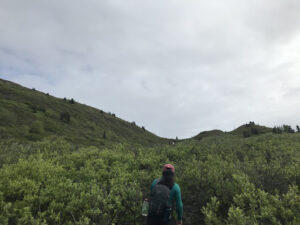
164	191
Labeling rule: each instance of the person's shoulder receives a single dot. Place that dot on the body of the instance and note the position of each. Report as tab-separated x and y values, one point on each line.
155	181
176	186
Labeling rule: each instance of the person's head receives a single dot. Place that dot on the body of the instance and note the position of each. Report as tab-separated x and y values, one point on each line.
168	174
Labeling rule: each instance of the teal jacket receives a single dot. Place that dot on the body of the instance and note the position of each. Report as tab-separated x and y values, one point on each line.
174	193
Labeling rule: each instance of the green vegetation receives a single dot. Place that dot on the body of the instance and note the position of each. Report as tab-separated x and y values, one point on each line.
251	129
205	134
224	180
27	114
58	172
284	129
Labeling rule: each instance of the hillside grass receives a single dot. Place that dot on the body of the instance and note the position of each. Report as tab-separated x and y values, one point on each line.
30	115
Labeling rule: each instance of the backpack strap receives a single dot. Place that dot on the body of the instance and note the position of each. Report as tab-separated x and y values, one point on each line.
161	181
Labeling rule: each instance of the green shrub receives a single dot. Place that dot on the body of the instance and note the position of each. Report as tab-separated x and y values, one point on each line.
6	117
51	126
224	179
36	127
65	117
246	133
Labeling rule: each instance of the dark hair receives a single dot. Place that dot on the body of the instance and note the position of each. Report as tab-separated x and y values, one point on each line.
168	178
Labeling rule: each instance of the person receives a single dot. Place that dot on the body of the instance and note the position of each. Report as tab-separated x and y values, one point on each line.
163	192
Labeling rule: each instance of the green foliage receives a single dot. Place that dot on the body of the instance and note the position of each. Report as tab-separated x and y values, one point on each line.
251	129
224	179
205	134
36	127
36	108
211	211
255	206
65	117
284	129
6	117
70	188
20	107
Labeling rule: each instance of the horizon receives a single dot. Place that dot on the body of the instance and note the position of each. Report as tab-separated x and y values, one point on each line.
176	68
225	131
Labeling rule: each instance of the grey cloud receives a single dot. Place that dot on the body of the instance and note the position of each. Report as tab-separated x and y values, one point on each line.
175	67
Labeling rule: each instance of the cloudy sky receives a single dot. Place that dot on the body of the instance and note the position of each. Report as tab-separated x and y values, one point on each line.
176	67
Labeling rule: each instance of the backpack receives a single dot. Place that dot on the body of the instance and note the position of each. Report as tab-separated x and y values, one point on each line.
159	200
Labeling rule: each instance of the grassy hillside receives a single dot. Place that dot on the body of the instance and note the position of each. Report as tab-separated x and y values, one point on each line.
251	129
246	130
27	114
205	134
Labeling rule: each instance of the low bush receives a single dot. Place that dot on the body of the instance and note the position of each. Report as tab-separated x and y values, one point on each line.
224	179
65	117
36	127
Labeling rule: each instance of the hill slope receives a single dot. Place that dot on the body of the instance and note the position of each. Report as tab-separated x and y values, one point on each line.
251	129
205	134
30	115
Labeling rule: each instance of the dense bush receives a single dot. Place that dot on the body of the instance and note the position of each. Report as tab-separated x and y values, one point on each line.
224	180
36	108
65	117
6	117
283	129
36	127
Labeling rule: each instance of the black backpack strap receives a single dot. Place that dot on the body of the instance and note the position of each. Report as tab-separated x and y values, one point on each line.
160	181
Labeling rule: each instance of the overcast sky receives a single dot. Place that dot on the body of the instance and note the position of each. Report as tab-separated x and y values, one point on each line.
175	67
